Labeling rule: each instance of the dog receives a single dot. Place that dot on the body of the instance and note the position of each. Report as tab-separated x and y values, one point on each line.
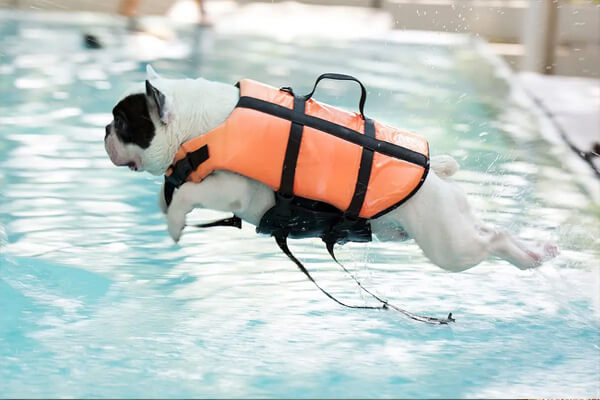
151	123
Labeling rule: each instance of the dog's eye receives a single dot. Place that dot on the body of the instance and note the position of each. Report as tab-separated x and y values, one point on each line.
121	126
119	123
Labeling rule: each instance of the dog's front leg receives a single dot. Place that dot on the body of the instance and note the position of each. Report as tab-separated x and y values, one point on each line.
220	191
184	201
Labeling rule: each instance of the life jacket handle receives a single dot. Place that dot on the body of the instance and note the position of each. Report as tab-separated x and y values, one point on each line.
342	77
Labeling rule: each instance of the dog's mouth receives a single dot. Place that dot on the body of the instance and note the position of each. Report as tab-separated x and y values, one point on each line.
131	164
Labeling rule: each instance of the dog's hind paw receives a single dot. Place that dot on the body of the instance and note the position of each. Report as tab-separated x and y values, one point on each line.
544	253
550	251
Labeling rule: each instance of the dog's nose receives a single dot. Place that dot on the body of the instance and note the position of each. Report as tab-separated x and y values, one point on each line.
107	131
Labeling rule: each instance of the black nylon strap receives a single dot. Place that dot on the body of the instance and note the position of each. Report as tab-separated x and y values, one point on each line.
282	243
182	169
286	188
234	222
364	173
340	131
429	320
342	77
169	189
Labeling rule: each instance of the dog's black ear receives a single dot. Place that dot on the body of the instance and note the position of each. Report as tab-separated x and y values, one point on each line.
158	99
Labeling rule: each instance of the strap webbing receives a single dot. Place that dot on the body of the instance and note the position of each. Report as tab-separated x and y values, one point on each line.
288	172
429	320
364	173
342	132
282	243
234	222
343	77
169	189
182	169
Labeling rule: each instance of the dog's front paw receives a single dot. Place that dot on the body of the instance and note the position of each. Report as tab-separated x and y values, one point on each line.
176	223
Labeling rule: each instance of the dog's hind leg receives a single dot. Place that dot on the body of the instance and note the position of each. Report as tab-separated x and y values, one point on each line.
506	246
438	217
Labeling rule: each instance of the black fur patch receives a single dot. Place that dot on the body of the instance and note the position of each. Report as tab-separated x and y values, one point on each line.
132	121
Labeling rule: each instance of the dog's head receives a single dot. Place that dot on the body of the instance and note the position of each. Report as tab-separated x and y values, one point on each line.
139	135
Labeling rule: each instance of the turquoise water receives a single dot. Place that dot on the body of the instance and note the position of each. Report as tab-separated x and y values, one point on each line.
96	300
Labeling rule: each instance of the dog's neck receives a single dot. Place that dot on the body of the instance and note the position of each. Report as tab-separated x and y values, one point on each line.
200	106
197	107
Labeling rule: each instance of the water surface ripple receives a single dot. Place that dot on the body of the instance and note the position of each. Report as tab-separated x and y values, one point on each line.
96	301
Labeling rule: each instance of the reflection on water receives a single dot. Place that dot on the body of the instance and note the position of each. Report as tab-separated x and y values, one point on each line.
94	295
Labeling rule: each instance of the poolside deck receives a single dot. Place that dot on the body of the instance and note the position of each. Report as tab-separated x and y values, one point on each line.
573	104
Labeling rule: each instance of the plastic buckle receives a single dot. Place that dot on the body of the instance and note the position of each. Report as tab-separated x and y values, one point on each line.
181	171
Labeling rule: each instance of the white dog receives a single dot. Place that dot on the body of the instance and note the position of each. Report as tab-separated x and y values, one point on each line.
150	125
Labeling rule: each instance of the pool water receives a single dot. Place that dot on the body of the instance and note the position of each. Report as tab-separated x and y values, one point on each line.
97	301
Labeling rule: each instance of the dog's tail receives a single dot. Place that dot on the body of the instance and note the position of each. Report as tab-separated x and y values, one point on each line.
444	166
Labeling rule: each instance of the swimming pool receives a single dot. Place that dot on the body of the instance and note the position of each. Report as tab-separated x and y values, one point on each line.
96	300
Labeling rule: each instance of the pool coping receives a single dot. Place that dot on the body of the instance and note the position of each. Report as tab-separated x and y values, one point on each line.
582	172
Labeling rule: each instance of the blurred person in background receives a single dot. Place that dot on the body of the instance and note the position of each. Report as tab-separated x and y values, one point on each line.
128	8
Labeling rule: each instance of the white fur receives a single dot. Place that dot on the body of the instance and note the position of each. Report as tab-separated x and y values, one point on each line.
438	217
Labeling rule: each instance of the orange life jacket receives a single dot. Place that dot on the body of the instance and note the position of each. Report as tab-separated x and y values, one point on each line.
313	155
